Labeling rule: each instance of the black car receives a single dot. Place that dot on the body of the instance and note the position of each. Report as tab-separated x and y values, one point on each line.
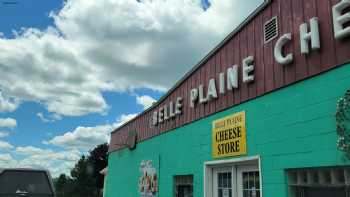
25	183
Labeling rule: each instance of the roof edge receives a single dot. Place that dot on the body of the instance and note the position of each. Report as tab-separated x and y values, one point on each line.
200	63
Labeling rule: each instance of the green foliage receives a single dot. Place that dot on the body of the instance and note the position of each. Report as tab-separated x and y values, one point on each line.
84	182
85	179
64	186
99	160
342	119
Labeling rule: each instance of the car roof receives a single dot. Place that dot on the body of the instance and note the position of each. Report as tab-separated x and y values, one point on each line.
32	170
26	170
23	169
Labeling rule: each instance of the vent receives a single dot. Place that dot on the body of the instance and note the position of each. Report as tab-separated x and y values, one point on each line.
270	30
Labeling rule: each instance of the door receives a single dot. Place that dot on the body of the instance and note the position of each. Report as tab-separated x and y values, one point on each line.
248	181
236	181
224	181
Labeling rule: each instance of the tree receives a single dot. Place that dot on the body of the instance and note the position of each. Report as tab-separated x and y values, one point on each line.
85	180
63	185
60	185
99	160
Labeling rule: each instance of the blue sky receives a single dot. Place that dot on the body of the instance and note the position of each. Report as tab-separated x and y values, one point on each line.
71	73
31	15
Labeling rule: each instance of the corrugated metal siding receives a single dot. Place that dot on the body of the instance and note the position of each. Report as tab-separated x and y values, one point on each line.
269	75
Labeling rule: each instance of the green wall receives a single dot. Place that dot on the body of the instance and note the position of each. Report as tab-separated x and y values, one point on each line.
290	128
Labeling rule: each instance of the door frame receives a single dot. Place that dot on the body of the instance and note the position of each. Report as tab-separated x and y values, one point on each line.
209	166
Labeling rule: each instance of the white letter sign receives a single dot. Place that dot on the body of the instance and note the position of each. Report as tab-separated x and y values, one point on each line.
232	77
194	96
313	36
340	19
284	60
212	93
247	69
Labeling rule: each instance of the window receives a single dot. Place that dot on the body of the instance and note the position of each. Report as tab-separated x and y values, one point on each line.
183	186
25	182
319	182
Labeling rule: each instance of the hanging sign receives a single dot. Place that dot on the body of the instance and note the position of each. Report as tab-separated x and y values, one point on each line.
229	136
132	140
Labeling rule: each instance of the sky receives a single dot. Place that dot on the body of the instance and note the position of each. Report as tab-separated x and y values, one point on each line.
73	71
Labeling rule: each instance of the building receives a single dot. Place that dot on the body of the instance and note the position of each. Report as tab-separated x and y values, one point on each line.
261	115
104	172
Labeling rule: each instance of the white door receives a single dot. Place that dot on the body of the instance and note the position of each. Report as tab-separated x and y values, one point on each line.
224	182
248	181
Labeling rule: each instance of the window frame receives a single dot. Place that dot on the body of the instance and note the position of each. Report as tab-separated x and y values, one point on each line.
176	184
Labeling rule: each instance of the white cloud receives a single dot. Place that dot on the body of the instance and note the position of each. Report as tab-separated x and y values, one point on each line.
111	45
123	119
5	157
8	122
47	154
74	144
86	138
7	161
145	100
8	105
5	145
4	134
30	150
42	117
50	118
33	157
82	137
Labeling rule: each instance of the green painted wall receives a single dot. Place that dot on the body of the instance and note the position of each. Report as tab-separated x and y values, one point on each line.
290	128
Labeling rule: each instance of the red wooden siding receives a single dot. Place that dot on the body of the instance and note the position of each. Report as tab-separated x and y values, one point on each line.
269	75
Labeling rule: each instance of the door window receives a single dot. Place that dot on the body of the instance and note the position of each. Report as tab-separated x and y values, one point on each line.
224	180
251	184
248	181
224	184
